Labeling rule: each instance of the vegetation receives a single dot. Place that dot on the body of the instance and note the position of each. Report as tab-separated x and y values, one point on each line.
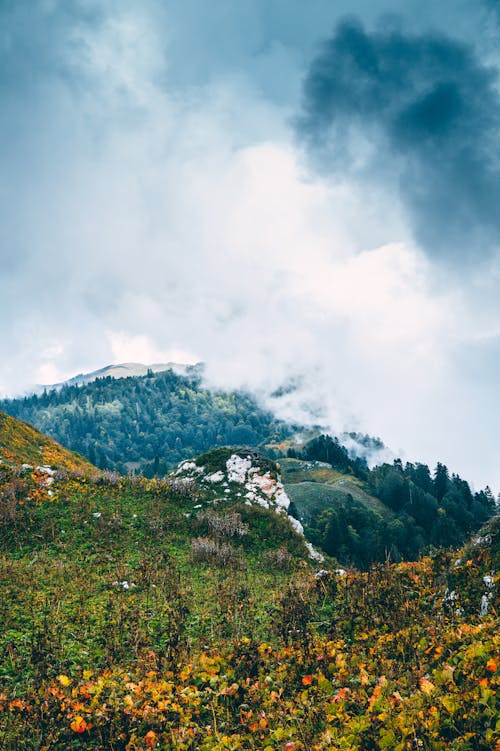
393	511
20	443
139	614
117	634
146	424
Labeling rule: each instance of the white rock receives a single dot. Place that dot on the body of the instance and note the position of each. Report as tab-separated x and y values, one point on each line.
296	525
237	468
321	574
265	484
485	603
314	554
46	470
189	466
215	477
282	498
262	502
124	584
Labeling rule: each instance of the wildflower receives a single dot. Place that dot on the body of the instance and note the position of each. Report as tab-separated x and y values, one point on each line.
79	725
151	738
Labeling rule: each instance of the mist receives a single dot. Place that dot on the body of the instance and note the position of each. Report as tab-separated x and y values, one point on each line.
157	207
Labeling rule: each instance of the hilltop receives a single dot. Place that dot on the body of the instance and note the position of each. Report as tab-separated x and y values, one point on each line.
148	424
123	370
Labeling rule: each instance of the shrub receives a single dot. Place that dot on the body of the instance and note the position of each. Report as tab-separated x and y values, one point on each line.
211	551
228	525
281	558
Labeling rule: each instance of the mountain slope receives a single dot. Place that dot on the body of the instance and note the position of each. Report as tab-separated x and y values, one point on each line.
139	614
398	511
22	444
147	424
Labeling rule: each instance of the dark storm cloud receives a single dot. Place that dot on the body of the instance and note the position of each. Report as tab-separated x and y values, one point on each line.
419	113
493	5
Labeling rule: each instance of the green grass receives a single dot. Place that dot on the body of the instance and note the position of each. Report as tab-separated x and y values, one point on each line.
315	488
70	555
203	654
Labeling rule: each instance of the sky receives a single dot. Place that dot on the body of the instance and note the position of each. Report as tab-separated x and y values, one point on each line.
302	195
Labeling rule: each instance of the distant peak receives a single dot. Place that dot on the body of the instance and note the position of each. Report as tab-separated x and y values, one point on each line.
124	370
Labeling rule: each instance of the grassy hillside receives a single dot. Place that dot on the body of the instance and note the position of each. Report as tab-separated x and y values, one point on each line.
315	487
184	614
20	443
392	511
146	424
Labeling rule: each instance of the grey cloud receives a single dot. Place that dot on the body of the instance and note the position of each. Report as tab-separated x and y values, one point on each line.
420	114
150	194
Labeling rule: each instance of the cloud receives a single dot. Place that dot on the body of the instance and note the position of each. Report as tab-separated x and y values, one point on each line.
142	350
154	206
419	116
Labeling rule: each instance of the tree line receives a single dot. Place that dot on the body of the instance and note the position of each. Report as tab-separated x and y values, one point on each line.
423	509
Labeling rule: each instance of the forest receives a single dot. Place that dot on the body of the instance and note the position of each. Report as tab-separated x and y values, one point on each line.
419	510
146	424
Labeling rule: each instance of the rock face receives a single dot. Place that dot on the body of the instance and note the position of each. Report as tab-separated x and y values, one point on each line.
244	476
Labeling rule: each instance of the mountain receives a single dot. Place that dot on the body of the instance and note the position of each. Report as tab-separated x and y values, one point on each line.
123	370
187	613
20	443
148	423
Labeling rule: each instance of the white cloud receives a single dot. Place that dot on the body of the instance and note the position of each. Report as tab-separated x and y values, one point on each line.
154	224
141	349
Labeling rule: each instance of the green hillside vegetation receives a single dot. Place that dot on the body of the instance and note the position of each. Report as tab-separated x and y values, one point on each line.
146	424
22	444
179	614
393	511
297	470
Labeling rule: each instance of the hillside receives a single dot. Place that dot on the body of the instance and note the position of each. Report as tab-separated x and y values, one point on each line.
187	613
392	511
146	424
22	444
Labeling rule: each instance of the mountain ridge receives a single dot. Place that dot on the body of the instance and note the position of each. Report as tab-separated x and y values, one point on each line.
121	370
147	423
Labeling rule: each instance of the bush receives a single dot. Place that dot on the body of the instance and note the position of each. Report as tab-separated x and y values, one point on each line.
229	525
211	551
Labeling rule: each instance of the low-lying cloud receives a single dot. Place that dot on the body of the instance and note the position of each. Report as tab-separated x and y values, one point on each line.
155	207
